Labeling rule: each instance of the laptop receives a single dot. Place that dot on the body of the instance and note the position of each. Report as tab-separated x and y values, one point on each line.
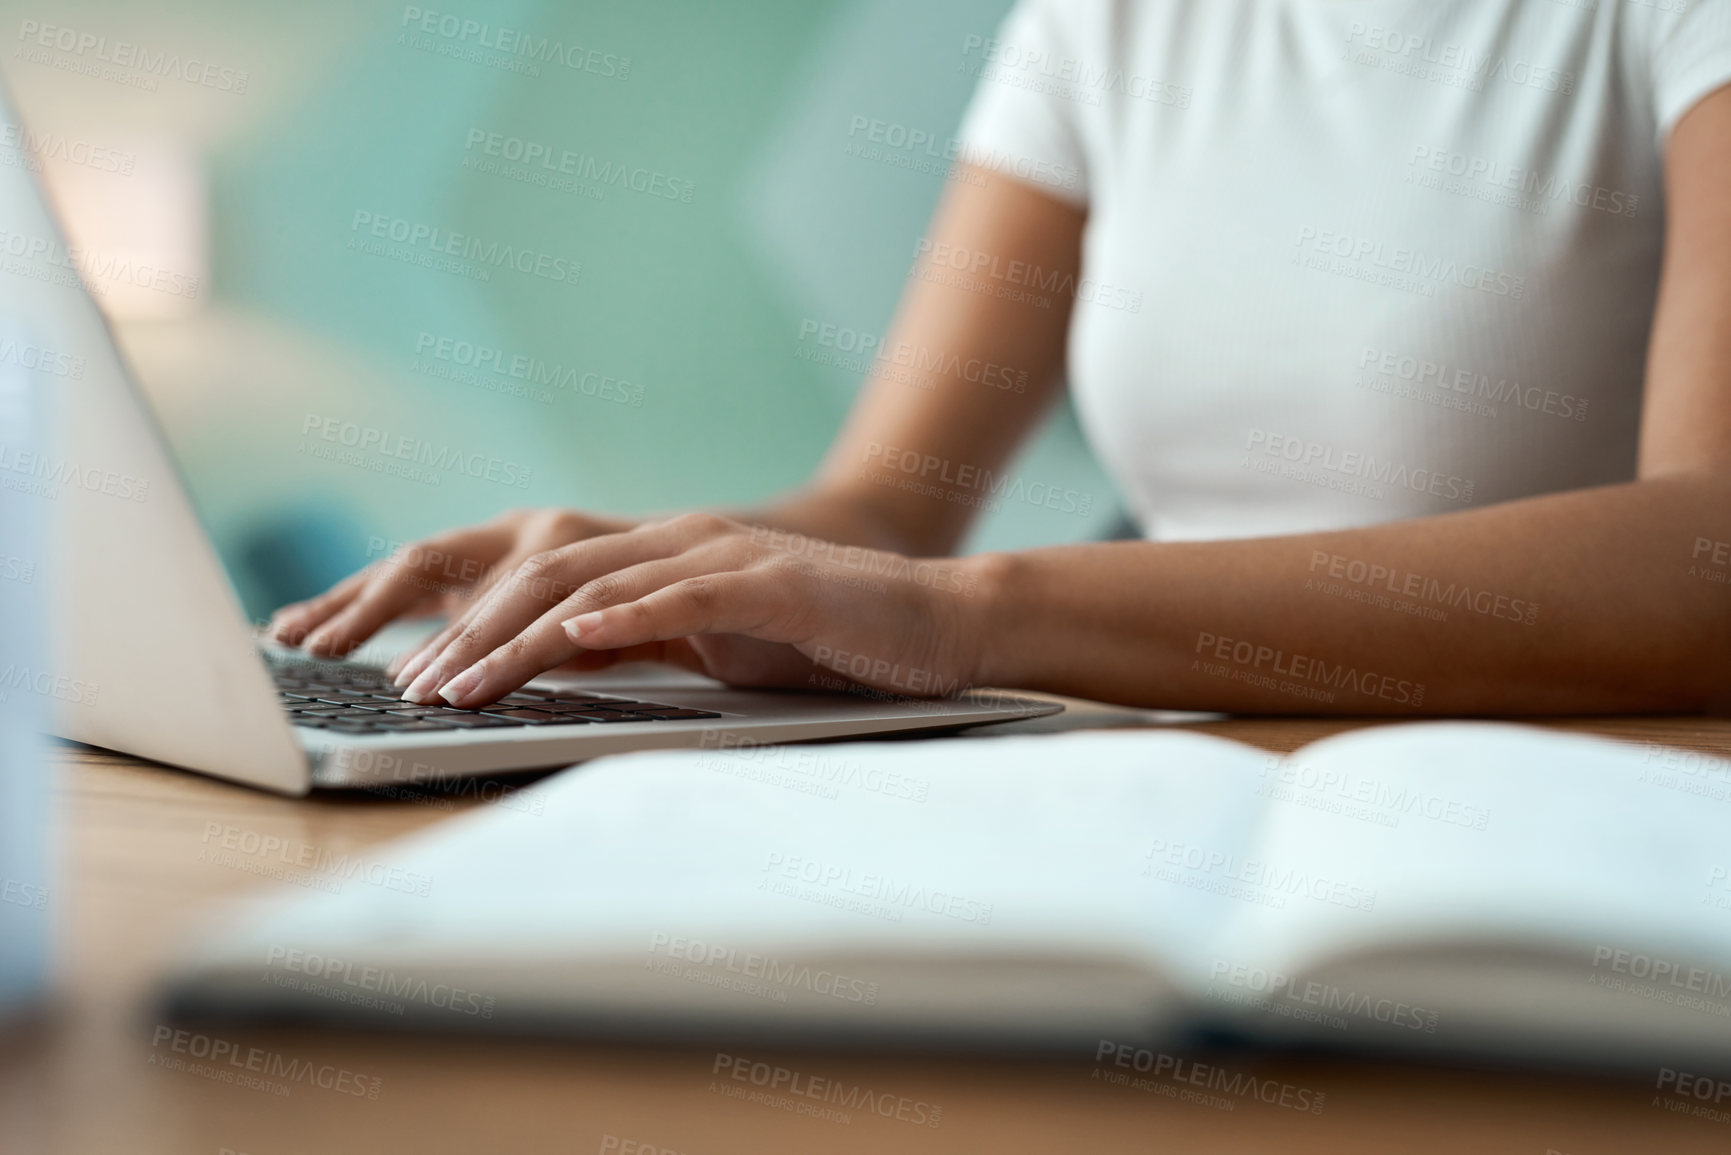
26	906
155	657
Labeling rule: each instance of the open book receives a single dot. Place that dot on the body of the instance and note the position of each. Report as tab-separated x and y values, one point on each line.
1450	887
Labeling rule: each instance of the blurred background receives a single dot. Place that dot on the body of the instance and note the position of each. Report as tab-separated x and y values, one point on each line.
364	221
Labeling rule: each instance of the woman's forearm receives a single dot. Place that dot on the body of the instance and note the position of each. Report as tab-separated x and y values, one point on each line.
1599	600
840	517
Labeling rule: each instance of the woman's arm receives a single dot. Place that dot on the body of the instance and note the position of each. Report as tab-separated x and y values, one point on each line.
964	375
1579	602
1573	602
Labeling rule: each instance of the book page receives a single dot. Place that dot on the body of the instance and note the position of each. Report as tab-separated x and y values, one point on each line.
1002	882
1493	879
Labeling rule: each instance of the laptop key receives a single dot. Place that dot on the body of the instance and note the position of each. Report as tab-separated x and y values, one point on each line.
533	717
609	716
571	707
477	722
672	713
407	725
585	700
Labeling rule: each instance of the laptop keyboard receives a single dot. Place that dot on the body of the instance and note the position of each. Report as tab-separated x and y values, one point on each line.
351	699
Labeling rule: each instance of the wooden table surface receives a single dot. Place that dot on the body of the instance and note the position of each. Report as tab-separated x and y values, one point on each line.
133	888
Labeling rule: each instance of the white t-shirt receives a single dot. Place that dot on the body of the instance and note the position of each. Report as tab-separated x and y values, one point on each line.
1349	261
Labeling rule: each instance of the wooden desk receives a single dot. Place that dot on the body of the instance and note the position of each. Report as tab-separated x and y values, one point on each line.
133	887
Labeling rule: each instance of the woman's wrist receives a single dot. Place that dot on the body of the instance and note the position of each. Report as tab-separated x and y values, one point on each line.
997	617
834	516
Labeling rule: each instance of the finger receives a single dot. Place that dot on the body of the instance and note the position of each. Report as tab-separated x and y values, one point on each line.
291	624
409	577
408	667
588	661
759	603
549	531
544	643
539	584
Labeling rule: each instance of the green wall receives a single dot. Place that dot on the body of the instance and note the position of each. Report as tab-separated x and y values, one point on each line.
696	304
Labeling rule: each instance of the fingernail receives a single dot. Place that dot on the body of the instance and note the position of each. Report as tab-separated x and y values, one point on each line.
464	684
421	690
582	624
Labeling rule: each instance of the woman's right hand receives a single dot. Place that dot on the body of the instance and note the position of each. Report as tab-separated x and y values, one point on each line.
437	576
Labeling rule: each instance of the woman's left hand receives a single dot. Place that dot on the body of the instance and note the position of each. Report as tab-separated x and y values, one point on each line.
744	604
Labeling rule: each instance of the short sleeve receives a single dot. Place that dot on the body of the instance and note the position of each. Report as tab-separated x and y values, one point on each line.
1691	56
1023	120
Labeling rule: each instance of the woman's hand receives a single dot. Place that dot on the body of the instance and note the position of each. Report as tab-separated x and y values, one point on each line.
437	576
744	604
